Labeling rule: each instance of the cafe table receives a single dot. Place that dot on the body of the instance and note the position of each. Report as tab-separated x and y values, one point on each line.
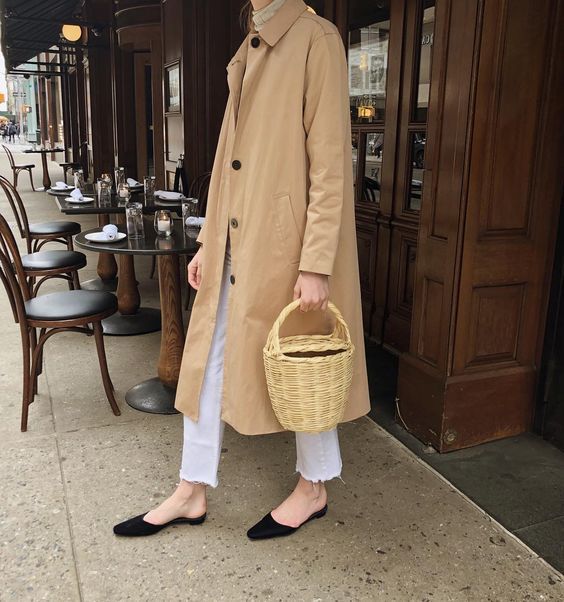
131	318
156	395
44	152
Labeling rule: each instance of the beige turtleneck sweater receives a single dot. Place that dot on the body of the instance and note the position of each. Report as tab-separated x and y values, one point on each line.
261	16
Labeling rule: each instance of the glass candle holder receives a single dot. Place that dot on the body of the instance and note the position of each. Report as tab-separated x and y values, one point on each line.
123	191
163	223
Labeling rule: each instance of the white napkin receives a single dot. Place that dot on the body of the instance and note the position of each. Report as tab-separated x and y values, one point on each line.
76	194
133	182
168	195
110	231
195	221
61	185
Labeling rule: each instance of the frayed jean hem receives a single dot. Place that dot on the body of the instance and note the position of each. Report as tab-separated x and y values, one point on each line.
185	477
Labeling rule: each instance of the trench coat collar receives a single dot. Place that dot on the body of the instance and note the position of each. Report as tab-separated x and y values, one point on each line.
281	21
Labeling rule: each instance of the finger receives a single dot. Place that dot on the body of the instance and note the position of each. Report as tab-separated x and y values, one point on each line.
325	305
192	276
199	274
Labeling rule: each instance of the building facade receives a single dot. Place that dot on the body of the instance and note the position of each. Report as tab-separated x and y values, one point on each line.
457	123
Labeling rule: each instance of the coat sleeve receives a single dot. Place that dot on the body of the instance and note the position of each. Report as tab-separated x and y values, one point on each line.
326	119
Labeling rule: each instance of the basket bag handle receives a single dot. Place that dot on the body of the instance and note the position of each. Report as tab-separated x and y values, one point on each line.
341	330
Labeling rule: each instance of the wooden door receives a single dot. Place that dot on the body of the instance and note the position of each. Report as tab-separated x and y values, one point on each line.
390	46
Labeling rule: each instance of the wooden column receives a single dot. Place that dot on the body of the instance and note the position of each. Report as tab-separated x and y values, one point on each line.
493	184
100	84
201	37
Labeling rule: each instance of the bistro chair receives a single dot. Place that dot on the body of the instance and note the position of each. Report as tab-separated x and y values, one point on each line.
36	235
45	265
17	168
41	317
68	165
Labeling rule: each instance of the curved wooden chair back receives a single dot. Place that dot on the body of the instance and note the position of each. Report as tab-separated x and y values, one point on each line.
199	190
18	209
12	273
10	156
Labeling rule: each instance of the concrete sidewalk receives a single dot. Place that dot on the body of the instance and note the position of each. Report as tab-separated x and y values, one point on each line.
394	531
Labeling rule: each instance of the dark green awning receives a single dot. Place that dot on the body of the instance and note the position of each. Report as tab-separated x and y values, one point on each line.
32	26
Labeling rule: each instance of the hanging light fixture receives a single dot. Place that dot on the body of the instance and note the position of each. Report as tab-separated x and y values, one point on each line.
72	33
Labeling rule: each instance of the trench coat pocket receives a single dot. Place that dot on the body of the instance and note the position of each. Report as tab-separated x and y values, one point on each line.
287	228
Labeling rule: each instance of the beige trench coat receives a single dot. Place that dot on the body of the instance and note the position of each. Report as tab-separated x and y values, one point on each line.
282	187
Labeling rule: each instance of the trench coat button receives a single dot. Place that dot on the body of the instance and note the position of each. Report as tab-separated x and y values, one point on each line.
232	279
236	164
255	42
234	223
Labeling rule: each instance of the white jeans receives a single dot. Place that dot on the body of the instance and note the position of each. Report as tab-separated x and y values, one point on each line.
318	454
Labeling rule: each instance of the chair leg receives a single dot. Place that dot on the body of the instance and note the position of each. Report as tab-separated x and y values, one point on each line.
153	266
26	380
65	175
31	180
15	178
108	386
76	280
33	345
70	245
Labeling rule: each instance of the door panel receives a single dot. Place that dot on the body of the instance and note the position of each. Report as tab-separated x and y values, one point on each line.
390	53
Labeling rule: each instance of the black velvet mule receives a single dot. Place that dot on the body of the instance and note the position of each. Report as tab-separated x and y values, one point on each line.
137	527
268	528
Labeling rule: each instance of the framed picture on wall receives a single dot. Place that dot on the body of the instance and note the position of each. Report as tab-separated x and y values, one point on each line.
172	87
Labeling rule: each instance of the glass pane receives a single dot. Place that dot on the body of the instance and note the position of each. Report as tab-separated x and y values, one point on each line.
373	167
417	144
369	30
354	156
317	5
427	28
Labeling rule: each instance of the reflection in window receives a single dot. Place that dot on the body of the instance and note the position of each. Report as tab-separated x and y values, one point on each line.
373	167
417	145
369	28
427	28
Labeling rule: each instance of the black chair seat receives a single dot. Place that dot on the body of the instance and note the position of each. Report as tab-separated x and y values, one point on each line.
55	228
69	164
70	305
27	166
51	260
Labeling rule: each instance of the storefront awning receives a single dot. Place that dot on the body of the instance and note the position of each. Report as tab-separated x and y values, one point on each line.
32	26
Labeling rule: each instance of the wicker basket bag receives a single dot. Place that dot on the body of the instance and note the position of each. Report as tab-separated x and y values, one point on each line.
309	376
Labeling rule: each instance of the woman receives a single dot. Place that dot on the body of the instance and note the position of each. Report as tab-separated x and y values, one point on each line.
279	226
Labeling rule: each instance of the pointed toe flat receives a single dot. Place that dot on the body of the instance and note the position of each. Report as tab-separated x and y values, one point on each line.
267	527
137	527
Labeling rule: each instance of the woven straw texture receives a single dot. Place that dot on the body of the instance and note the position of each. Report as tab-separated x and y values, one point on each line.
309	376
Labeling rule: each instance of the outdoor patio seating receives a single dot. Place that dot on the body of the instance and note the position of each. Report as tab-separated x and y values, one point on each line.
37	235
17	168
41	317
